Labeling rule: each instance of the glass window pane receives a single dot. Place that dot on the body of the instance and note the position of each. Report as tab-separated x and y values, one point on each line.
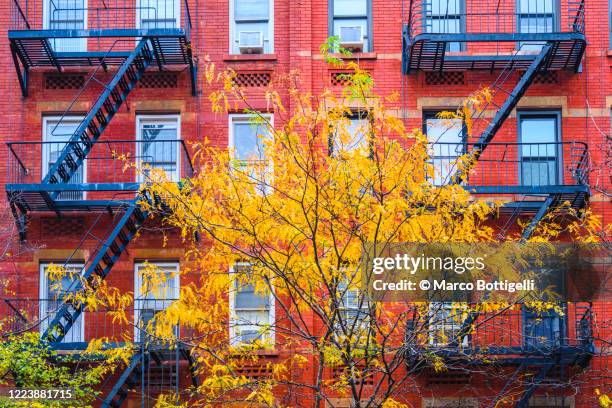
249	140
539	151
350	7
536	6
251	10
247	298
446	137
158	147
445	25
444	7
541	132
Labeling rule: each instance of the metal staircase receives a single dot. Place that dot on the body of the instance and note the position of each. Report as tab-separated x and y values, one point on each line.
100	115
150	368
98	266
513	97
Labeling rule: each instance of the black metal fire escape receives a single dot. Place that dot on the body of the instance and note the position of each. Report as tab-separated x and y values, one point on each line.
161	41
442	36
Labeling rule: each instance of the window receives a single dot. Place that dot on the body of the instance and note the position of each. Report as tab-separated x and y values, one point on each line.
156	287
158	144
251	311
351	20
66	15
57	131
354	310
52	294
539	148
251	26
247	136
445	323
536	16
153	14
447	140
357	137
445	17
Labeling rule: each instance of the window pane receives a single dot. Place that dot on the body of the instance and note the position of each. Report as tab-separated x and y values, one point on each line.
536	6
540	24
158	14
67	14
56	134
445	25
444	7
161	287
246	298
52	302
158	147
541	132
249	140
251	10
350	8
539	151
446	138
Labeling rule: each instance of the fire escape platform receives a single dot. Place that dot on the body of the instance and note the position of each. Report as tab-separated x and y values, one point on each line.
33	47
570	355
427	52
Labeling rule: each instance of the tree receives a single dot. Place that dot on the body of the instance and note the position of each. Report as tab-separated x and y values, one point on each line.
290	219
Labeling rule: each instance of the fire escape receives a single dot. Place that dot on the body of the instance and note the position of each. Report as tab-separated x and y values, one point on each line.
516	41
117	41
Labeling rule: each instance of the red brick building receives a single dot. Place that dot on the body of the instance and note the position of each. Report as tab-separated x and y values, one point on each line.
71	64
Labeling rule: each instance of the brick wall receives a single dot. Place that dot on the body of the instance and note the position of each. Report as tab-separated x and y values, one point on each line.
585	100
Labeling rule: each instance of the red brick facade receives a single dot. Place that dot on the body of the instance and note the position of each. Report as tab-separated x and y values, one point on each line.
583	99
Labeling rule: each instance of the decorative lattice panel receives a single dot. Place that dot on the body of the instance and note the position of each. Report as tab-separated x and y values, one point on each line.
254	371
159	80
55	227
340	78
252	79
546	77
64	81
444	78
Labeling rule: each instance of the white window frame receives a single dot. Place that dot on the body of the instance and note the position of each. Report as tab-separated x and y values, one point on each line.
176	9
45	300
138	287
45	148
268	37
152	119
434	327
82	43
270	335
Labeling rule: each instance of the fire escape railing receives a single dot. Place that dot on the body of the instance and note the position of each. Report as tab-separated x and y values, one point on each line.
106	168
520	168
456	17
109	15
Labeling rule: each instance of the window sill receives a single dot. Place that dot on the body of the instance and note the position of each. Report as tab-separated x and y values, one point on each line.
249	57
357	56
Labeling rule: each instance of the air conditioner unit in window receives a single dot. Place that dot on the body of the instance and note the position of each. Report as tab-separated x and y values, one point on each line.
351	38
250	42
